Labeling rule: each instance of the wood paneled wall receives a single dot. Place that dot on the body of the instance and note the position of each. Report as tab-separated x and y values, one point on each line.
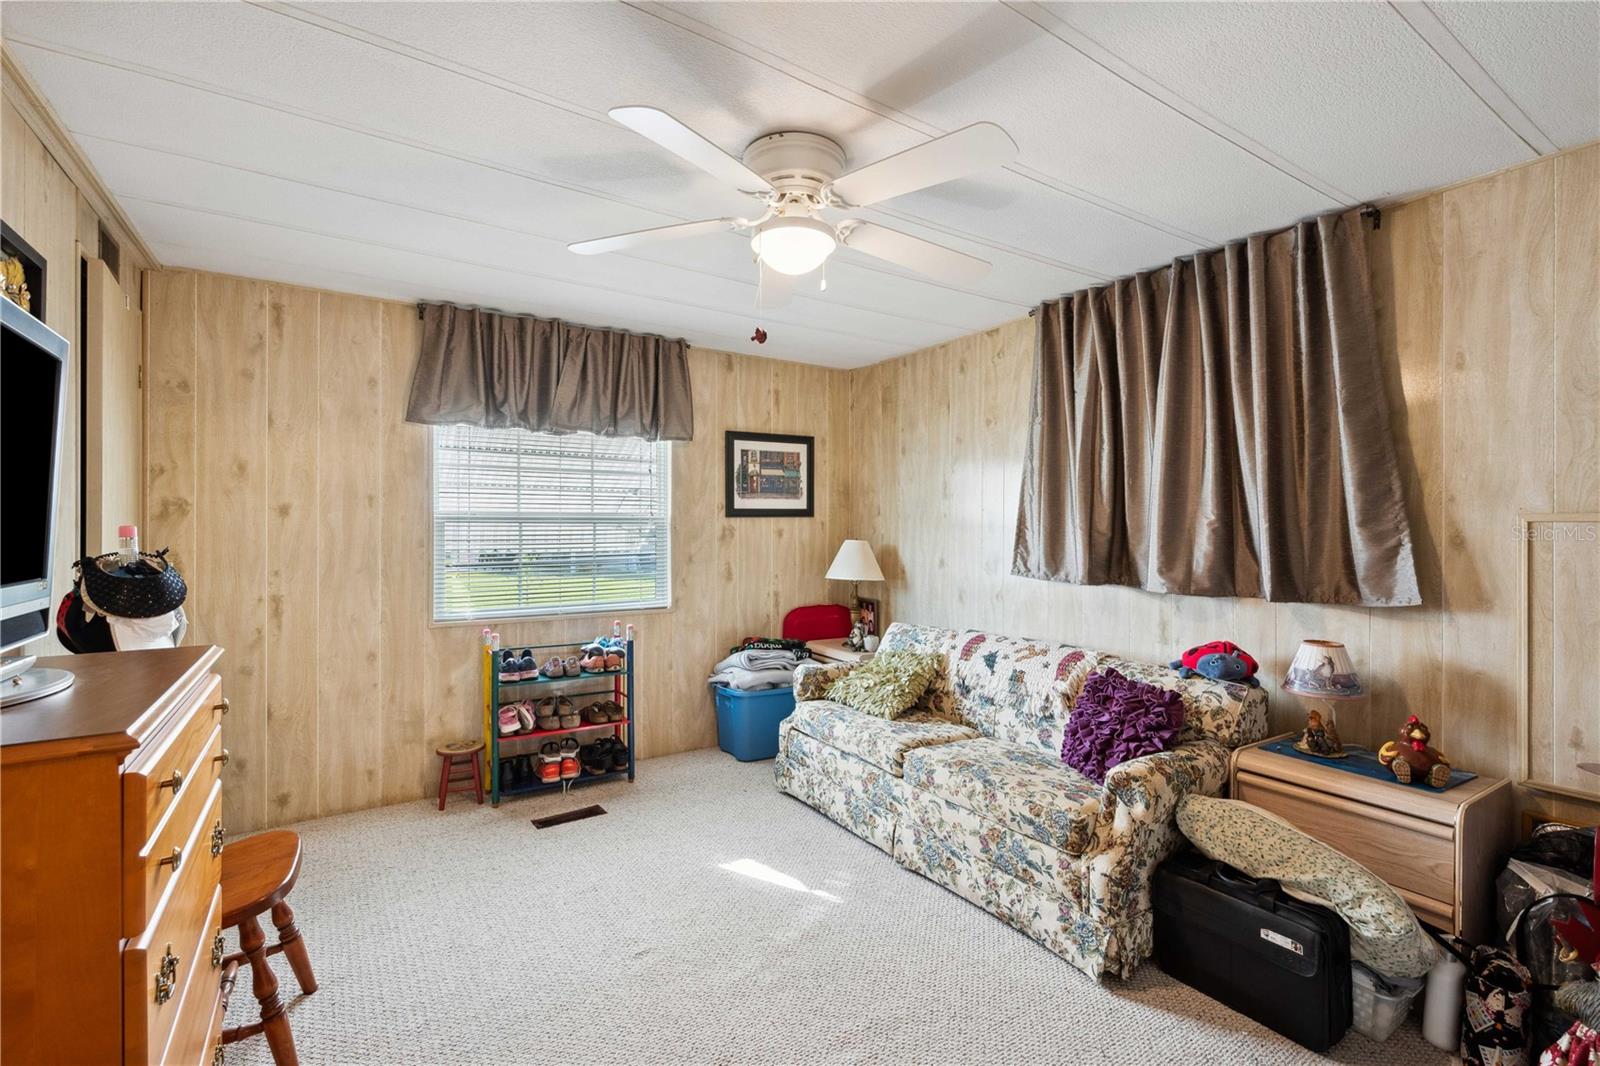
41	202
1486	295
295	499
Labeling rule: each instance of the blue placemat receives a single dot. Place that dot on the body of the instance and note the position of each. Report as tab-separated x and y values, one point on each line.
1362	761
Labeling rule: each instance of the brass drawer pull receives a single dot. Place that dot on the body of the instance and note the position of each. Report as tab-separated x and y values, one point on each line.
221	705
216	838
167	976
223	758
216	951
217	1056
174	860
175	782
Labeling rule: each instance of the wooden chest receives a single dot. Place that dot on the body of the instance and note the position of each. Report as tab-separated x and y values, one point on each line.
111	840
1440	850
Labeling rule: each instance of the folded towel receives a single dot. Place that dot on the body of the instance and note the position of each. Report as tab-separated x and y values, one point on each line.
760	659
745	680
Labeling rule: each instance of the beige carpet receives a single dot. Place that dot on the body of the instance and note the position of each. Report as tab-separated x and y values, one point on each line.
705	918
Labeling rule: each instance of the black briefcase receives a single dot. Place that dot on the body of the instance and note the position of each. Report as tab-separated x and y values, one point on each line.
1244	942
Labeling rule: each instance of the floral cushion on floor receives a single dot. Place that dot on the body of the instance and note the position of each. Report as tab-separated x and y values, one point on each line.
883	742
1384	933
1020	788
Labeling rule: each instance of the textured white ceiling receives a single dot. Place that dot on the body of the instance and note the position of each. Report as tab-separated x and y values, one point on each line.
450	151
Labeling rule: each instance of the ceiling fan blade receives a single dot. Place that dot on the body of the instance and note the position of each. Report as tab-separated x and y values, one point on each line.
913	253
974	148
620	241
690	146
773	288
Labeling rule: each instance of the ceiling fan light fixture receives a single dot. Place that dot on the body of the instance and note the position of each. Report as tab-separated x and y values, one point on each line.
794	245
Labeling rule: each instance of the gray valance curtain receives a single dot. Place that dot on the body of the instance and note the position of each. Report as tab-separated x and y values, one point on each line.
484	368
1218	427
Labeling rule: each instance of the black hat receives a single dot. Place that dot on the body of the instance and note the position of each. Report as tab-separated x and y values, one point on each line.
146	589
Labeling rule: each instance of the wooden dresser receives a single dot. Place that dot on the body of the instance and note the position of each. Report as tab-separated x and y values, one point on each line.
1440	850
111	842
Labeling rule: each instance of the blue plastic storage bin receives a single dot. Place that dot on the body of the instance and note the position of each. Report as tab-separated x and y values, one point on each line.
747	722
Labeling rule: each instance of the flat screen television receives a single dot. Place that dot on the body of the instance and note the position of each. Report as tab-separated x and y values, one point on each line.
33	387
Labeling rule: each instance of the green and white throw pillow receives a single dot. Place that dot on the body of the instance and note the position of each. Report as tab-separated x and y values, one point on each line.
887	685
1384	933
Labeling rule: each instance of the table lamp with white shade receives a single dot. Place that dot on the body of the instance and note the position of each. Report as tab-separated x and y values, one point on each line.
855	563
1322	671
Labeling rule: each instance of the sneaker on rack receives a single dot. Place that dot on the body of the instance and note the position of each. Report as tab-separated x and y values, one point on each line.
550	762
508	665
525	715
509	721
619	755
569	759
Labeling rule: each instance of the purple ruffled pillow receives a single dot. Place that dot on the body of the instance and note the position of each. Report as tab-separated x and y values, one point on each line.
1116	719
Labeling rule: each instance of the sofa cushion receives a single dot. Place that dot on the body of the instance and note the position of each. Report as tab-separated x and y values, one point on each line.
883	742
1018	787
901	636
1226	711
887	685
1015	689
1384	933
1116	719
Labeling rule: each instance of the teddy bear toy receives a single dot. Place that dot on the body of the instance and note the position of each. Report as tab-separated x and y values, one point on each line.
1220	660
1410	758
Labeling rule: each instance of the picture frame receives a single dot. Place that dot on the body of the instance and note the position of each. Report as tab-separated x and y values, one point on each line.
769	475
869	617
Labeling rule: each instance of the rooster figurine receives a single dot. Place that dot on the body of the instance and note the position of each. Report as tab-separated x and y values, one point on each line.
1410	757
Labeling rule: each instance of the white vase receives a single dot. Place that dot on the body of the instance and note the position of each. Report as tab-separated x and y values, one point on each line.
870	642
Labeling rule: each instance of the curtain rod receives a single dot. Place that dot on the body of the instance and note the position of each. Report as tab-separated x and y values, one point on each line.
1369	212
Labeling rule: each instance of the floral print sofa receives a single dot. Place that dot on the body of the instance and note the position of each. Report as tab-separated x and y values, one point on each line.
968	788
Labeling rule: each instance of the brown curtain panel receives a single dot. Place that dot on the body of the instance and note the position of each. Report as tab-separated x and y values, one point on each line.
1218	428
483	368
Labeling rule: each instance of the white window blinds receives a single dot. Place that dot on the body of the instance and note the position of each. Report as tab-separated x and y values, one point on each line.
539	523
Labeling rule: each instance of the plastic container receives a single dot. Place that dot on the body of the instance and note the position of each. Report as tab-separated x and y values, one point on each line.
1379	1004
747	722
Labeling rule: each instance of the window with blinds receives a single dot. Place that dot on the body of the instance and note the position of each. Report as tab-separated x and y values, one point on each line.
538	523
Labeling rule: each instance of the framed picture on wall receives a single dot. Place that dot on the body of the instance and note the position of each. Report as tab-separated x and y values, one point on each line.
770	475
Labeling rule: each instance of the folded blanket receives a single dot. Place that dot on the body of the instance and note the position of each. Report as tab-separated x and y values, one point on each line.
760	659
744	680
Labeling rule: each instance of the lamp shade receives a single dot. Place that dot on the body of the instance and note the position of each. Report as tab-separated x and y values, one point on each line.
1322	669
855	562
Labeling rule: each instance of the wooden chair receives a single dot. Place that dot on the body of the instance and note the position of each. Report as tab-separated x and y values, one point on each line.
257	875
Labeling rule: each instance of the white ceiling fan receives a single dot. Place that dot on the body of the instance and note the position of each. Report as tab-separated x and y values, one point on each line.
795	175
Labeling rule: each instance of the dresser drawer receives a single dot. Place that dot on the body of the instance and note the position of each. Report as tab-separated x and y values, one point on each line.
160	859
157	775
175	950
199	1023
1414	855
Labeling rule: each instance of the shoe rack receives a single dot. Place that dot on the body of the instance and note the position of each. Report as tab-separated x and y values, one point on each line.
582	689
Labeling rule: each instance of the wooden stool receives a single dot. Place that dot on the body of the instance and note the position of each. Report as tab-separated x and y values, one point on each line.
257	874
459	766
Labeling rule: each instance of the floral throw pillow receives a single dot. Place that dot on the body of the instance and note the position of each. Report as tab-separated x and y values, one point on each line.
888	684
1116	719
1384	933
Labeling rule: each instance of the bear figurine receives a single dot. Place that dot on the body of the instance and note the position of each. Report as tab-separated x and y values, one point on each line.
1220	660
1411	759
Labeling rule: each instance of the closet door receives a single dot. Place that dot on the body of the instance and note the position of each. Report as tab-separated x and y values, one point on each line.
113	436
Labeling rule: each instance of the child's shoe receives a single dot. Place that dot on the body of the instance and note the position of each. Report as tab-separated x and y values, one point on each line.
550	763
569	759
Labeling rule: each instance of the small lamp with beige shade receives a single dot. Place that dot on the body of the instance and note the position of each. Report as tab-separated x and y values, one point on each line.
1321	671
855	563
